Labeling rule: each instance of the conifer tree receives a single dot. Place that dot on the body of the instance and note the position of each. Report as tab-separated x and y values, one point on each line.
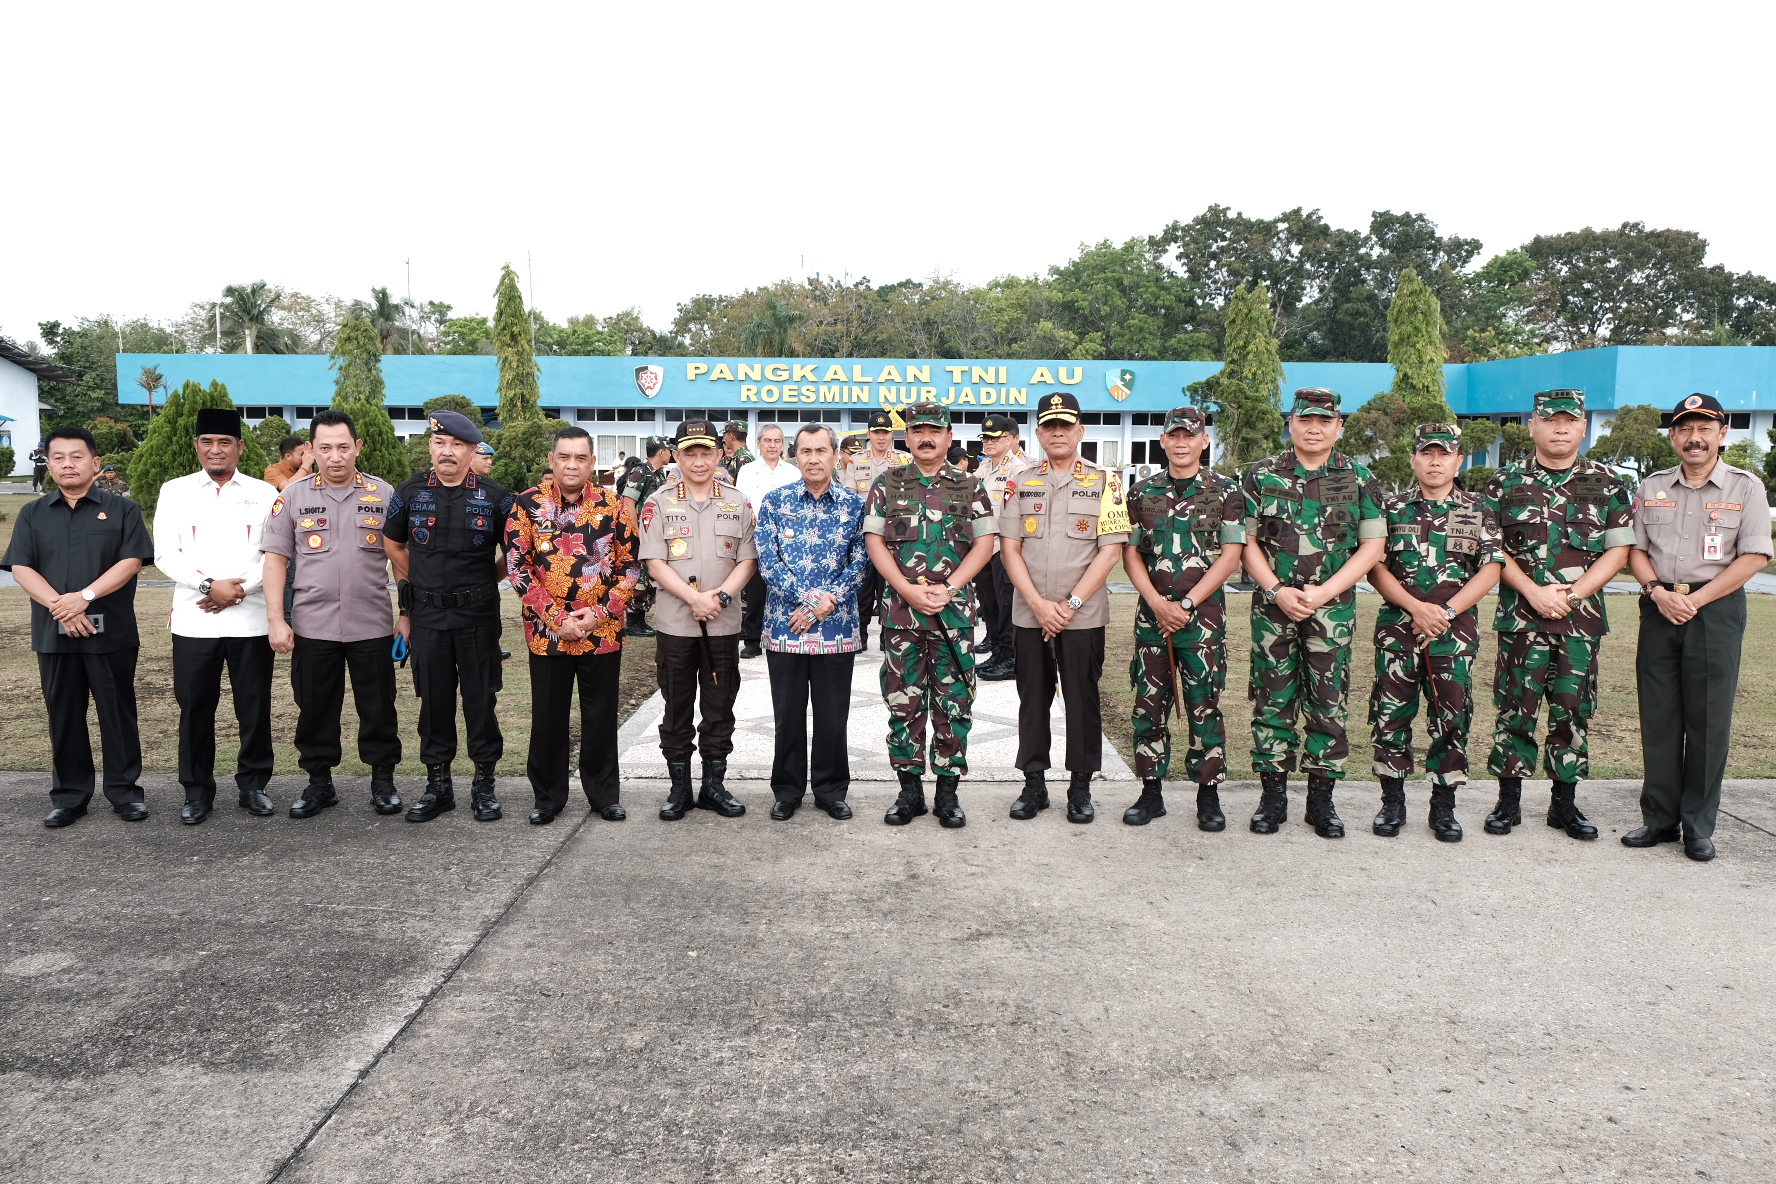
1246	393
1416	350
522	442
168	450
358	391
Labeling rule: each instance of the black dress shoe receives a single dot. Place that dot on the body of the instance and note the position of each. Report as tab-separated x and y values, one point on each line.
257	803
63	816
998	670
541	817
384	798
317	797
1698	848
750	650
1647	836
782	810
613	813
840	809
134	811
193	813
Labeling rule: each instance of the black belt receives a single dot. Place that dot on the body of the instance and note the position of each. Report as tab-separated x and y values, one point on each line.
455	599
1681	589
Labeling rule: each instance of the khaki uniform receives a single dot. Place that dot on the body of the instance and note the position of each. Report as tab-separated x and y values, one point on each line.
859	475
1061	517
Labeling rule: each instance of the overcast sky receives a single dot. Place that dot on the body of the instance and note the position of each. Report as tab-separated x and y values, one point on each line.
645	152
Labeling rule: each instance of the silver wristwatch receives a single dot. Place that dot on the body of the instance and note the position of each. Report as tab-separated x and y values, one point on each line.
1187	604
203	589
1452	614
1074	603
1270	593
723	598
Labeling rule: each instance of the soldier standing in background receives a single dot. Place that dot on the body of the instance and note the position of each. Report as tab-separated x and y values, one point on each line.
1062	525
445	527
860	475
1314	527
1001	457
1186	537
641	484
928	528
481	464
1443	556
735	457
1567	524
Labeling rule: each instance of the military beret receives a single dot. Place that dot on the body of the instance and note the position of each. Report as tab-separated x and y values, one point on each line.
998	425
1317	400
455	423
1185	419
1548	404
1437	435
925	412
1697	404
484	448
1059	407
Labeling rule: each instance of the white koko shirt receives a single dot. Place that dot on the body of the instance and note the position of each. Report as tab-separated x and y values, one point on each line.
756	478
207	531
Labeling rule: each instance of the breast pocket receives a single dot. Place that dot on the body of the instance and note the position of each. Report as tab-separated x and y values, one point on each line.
1403	538
679	543
1278	534
314	540
1658	517
1082	526
727	537
478	521
104	540
903	522
369	532
1031	525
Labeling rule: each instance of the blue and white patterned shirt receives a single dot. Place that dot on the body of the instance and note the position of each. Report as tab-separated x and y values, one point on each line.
808	545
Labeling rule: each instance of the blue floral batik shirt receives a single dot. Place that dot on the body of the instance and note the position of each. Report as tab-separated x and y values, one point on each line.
808	545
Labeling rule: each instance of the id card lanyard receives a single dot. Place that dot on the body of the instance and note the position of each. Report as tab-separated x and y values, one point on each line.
1711	542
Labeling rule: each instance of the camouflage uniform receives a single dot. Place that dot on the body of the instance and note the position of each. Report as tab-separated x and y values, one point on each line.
1434	548
641	485
740	457
1308	524
1179	527
929	524
1555	523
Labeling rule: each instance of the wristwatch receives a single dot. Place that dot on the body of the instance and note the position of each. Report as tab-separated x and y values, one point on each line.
86	594
1074	603
203	589
1574	600
725	599
1451	612
1270	593
1187	604
1646	589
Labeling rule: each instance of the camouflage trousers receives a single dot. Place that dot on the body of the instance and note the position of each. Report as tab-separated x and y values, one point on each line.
922	681
1202	674
1446	682
1301	667
642	598
1533	667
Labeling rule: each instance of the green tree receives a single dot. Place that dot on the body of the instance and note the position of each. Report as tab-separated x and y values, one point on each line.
1476	478
249	321
1635	440
150	380
1123	303
768	334
522	441
111	436
358	391
1515	443
168	451
466	335
1745	454
1246	393
89	351
270	432
1384	428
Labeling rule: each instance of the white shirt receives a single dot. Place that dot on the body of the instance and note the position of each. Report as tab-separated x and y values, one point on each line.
204	531
757	478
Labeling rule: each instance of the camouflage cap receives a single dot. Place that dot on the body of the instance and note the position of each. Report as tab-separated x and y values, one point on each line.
1185	419
926	413
1548	404
1437	435
737	426
1317	400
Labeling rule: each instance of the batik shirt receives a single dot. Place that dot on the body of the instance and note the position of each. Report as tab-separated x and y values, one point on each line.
1556	523
808	545
1434	548
563	557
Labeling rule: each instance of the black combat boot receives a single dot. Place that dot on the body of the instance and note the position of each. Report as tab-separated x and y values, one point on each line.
1273	804
1150	805
1509	810
1443	823
439	795
713	795
637	626
482	795
1321	813
1034	798
911	802
1563	811
1393	807
317	797
1208	809
678	798
947	807
384	798
1079	798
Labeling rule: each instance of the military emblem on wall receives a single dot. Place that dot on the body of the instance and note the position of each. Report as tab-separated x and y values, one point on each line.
1120	383
650	379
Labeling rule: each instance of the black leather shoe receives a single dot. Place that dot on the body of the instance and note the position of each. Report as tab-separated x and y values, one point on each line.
1508	812
439	795
911	802
998	670
384	799
505	655
1273	804
1387	824
1563	812
783	810
613	813
1034	799
63	816
750	650
132	811
193	813
840	810
316	797
713	795
1698	848
638	626
257	803
1208	809
540	817
482	794
1646	836
1150	805
946	805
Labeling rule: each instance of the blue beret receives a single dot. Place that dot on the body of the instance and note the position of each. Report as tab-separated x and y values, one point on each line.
454	423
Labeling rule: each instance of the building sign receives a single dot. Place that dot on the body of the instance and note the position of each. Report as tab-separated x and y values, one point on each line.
732	381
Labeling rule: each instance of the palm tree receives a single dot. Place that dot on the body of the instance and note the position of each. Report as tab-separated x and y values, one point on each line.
768	334
393	321
246	314
150	381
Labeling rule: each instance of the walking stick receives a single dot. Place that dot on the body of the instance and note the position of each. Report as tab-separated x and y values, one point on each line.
708	650
937	619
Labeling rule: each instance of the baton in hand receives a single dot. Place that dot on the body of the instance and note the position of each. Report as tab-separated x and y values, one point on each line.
708	650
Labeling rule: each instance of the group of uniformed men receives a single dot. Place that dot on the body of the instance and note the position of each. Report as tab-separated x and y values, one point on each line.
1028	544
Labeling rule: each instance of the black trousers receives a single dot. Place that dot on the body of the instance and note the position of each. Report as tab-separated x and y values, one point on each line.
869	597
752	609
1687	676
1081	666
552	681
444	662
826	678
109	681
317	675
685	676
197	685
993	587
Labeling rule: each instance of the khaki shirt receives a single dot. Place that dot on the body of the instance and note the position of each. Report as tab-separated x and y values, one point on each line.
1693	533
333	539
994	473
1060	517
862	472
701	541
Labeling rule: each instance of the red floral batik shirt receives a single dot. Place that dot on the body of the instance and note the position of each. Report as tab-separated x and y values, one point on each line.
567	556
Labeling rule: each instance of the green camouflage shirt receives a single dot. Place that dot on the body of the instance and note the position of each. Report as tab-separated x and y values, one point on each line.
1179	527
1434	548
929	524
1555	523
644	483
1309	524
733	463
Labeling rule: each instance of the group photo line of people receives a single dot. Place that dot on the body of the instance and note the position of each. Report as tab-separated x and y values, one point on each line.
739	557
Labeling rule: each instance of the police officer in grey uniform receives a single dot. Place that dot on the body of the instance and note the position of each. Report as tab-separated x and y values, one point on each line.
1701	530
329	527
877	457
444	530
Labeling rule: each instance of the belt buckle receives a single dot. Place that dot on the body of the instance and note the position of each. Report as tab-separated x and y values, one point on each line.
1681	589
